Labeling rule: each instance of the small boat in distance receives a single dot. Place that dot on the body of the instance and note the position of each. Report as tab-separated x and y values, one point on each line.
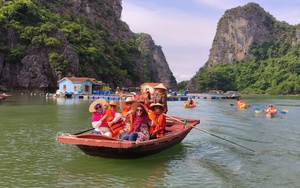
3	96
244	106
271	114
241	104
189	104
107	147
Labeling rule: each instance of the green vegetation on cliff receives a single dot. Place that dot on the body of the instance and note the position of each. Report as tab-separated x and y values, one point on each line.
107	57
273	69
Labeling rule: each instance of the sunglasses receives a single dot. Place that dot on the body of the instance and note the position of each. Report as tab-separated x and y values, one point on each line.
139	110
158	107
112	106
98	107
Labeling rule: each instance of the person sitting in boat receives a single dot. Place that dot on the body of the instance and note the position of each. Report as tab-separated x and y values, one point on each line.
139	124
270	109
125	106
114	118
191	102
156	114
145	99
240	102
126	111
99	117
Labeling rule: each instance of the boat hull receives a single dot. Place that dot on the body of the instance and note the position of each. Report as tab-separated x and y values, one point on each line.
242	106
103	146
271	114
4	96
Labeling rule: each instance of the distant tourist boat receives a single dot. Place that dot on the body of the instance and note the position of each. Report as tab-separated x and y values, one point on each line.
4	96
107	147
186	104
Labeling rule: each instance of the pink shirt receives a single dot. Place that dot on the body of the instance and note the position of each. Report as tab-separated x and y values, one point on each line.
97	116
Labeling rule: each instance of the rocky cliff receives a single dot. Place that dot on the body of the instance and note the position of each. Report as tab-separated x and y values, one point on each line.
238	30
35	55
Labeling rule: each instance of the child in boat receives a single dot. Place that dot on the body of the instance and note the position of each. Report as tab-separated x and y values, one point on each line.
139	124
99	117
156	114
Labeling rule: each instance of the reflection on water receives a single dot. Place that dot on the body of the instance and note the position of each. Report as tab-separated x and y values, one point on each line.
116	172
31	157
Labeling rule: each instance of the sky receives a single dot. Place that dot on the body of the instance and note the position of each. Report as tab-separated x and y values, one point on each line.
185	29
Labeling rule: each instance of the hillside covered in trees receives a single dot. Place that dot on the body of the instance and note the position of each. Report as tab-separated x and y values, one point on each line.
42	41
252	52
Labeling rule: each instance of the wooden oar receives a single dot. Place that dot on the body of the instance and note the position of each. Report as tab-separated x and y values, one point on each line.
83	131
284	111
259	110
185	123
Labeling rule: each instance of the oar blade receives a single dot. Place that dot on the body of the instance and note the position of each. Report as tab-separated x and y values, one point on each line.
258	111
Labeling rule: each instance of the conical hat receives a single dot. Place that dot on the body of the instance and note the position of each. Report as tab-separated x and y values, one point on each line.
94	103
160	86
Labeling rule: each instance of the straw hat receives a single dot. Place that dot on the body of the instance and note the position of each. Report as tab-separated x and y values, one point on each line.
113	103
129	99
135	105
94	103
160	86
157	104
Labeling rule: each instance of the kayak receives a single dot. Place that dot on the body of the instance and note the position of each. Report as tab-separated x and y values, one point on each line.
187	105
271	114
242	106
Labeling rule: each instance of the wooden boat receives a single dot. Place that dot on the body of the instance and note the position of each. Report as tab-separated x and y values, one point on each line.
103	146
187	105
4	96
271	113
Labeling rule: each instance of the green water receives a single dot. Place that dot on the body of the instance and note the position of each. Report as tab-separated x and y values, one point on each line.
31	157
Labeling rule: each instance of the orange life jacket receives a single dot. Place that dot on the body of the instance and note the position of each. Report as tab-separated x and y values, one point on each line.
117	126
125	110
159	124
131	128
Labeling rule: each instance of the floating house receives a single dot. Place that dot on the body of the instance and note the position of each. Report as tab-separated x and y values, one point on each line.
76	85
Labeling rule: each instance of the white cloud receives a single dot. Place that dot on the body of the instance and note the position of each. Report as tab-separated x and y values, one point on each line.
182	36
